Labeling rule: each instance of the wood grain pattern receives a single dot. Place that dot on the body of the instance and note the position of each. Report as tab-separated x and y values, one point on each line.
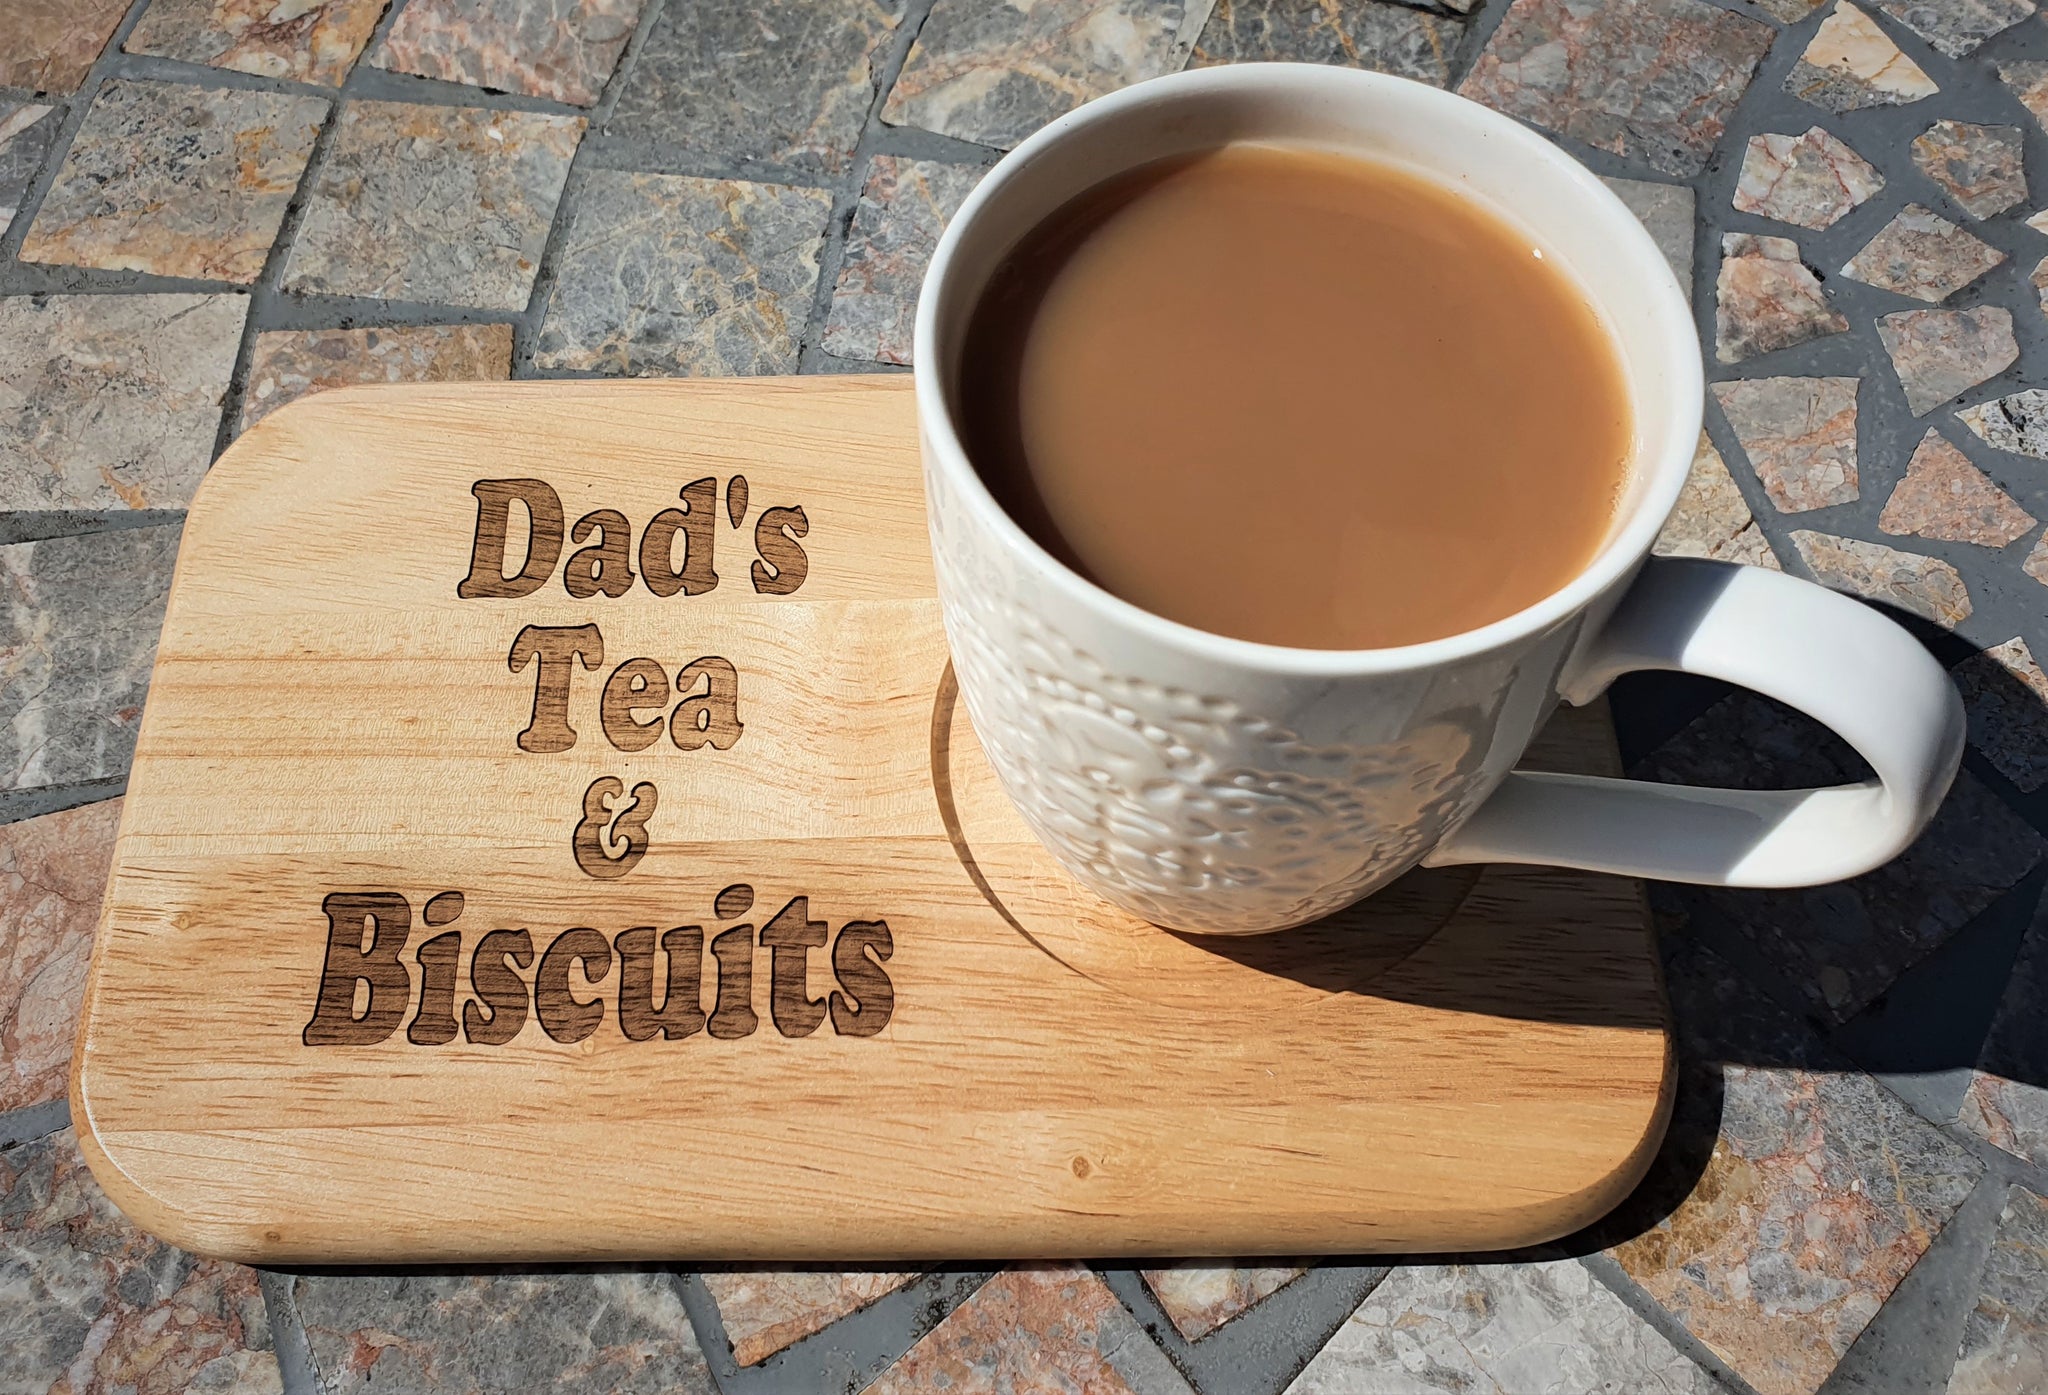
802	986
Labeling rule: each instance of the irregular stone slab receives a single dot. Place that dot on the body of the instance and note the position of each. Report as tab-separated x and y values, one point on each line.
460	219
1980	166
1925	586
765	1310
53	872
78	624
996	73
2018	423
2007	1102
289	364
567	1334
1767	299
1923	255
306	40
1944	496
2006	695
1713	519
2028	79
662	274
1957	27
904	206
1666	213
1941	353
1789	11
1799	435
2039	280
1794	1192
27	133
2036	565
1200	1297
785	81
2004	1349
1554	63
49	45
96	1307
176	180
1041	1327
1852	64
1497	1327
112	401
1393	39
1812	180
562	49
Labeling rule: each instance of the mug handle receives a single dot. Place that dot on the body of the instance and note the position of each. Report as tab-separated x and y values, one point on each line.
1835	659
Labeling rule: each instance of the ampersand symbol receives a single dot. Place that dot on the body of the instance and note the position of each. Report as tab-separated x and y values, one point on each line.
628	827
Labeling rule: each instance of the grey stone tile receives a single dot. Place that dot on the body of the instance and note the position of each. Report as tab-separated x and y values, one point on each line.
306	40
112	401
1923	255
1788	11
562	49
2028	80
2018	423
1981	167
1383	38
49	45
290	363
1767	299
1924	586
662	274
2006	694
1199	1296
176	180
994	73
904	205
2005	1339
1712	518
1666	213
1533	1329
433	203
766	1310
1939	354
1944	496
53	873
27	134
501	1334
1852	64
2006	1103
1687	63
1799	435
784	81
96	1307
78	626
1957	27
1812	181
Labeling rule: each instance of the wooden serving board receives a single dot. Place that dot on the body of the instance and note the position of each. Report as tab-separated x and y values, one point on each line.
407	863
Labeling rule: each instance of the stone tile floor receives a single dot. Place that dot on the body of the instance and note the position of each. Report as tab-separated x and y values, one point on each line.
211	207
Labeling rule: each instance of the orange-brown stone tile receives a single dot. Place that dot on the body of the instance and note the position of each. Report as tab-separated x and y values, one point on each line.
49	45
1944	496
1200	1296
765	1310
53	872
310	42
289	364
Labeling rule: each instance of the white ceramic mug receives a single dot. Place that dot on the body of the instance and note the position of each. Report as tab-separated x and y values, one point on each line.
1217	785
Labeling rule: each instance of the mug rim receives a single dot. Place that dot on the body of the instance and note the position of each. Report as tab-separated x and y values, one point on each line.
1665	464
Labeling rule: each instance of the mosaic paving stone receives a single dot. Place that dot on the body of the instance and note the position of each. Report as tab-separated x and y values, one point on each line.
2039	281
1980	166
53	871
448	204
78	624
2029	81
1923	255
1552	62
1957	27
49	45
662	274
1852	64
786	81
1944	496
2039	222
109	401
2036	565
1767	299
2018	423
27	132
2004	1349
500	1334
2006	694
1789	11
1939	354
1200	1296
1925	586
290	363
1533	1329
1666	213
994	73
1383	38
563	49
1820	1189
1713	519
2007	1102
307	40
904	206
176	180
96	1307
765	1310
1039	1328
1799	435
1811	180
